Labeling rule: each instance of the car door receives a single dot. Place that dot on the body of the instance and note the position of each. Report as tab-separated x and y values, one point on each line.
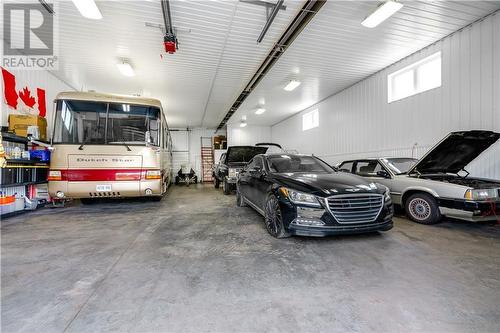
372	170
244	180
259	182
218	167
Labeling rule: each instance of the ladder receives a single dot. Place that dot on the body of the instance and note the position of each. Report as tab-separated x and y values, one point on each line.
207	160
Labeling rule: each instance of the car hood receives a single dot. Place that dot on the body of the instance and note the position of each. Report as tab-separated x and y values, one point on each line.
327	184
454	152
243	154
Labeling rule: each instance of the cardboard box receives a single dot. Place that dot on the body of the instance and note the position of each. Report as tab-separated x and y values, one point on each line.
18	124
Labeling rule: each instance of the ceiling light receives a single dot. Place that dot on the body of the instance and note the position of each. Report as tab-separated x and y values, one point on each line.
382	13
243	123
292	85
125	68
88	9
260	111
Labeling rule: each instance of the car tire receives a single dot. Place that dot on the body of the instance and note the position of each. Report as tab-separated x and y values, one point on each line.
216	183
422	208
240	202
274	219
226	187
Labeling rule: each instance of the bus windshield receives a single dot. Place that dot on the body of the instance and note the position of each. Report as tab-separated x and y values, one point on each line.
89	122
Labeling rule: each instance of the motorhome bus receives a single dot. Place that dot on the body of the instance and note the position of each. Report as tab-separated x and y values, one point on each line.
109	146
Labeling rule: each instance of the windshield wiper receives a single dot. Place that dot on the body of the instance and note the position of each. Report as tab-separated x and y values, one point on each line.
84	143
126	145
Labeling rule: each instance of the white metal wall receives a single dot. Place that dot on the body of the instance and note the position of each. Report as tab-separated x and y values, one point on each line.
248	135
187	147
358	122
33	79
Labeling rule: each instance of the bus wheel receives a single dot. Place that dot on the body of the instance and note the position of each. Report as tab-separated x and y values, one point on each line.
87	201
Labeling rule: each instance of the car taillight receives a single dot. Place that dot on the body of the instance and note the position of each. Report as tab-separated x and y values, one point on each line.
54	175
127	176
153	174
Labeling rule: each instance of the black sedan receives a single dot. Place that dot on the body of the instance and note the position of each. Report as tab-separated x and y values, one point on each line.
302	195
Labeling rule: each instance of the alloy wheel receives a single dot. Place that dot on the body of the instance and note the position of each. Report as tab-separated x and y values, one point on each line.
273	217
420	209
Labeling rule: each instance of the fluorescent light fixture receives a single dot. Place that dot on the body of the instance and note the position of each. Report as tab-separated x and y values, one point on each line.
292	85
88	9
243	124
260	111
382	13
125	68
126	107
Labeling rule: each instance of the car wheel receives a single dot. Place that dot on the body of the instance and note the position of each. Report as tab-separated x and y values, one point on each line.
422	208
216	183
226	187
274	219
240	202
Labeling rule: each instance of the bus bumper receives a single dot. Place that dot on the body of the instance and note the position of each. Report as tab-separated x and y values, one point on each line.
103	189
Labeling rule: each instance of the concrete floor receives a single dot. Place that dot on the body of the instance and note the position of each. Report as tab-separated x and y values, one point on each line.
196	262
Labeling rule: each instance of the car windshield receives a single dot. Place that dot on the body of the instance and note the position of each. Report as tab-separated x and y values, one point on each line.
243	154
88	122
295	163
400	166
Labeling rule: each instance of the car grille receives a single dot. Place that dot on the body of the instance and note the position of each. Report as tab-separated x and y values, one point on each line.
355	208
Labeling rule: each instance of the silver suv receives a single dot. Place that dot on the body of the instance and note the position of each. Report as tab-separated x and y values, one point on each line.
438	183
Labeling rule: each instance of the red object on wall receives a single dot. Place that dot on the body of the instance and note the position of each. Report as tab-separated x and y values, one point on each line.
12	96
9	88
40	95
26	97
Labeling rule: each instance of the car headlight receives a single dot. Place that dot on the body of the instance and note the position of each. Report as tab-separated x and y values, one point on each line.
232	172
387	192
300	198
485	194
387	195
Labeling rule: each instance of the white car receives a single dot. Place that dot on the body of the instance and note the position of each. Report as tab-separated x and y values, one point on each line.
438	183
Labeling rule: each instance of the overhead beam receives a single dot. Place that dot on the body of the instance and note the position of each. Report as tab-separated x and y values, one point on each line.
167	17
305	15
270	20
266	4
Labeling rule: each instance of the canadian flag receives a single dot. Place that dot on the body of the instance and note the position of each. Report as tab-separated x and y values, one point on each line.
12	96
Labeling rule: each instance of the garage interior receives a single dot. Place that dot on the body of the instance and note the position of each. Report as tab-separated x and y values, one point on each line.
316	77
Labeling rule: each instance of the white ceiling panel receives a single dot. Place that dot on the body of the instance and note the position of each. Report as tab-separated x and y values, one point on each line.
335	51
217	55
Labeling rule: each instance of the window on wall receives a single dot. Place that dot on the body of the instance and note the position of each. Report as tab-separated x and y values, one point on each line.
416	78
310	120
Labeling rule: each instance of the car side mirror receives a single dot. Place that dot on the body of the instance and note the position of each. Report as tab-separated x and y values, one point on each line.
383	173
256	171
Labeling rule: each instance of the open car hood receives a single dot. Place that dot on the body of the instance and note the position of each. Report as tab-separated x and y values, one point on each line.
454	152
243	154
